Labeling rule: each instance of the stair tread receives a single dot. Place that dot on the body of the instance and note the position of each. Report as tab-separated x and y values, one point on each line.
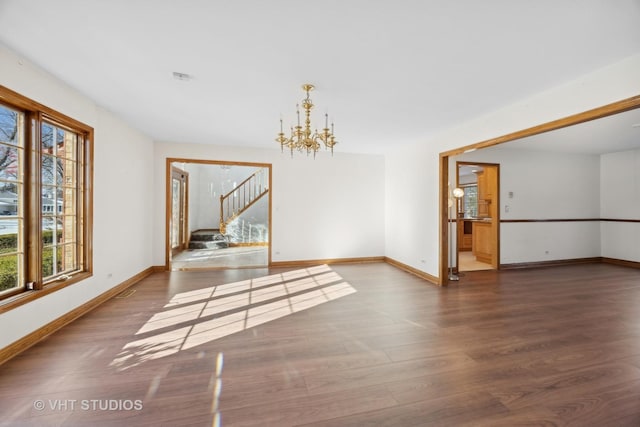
208	244
207	239
210	238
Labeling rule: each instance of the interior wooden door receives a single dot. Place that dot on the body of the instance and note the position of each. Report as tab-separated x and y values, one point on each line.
179	209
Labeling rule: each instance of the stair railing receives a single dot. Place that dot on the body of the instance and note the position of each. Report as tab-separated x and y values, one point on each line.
242	197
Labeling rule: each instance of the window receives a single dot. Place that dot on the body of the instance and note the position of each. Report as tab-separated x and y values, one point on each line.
45	200
12	148
470	201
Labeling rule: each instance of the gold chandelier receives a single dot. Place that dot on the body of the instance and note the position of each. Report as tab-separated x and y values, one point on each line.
302	139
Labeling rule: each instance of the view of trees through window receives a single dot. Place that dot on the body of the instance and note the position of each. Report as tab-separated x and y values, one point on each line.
11	198
43	196
58	195
470	201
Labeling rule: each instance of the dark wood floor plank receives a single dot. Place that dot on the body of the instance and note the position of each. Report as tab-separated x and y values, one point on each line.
616	404
345	345
303	410
554	387
449	411
384	373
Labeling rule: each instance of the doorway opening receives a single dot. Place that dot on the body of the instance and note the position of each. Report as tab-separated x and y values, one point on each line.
218	215
477	218
586	116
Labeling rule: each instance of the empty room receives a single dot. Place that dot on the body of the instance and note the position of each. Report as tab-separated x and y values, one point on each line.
338	213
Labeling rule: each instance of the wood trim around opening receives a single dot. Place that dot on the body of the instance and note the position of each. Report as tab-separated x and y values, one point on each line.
574	119
593	114
168	163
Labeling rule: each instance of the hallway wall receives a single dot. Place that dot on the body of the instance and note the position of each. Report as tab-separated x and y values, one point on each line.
323	208
412	178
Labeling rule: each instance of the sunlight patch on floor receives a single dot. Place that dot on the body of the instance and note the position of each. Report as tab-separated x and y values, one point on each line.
221	310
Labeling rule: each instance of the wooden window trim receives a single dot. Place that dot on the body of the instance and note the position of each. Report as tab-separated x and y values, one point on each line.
34	110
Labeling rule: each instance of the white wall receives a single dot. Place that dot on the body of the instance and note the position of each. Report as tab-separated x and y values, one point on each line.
545	185
123	175
620	199
412	217
330	207
207	182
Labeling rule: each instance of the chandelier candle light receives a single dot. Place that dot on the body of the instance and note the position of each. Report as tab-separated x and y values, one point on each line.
302	139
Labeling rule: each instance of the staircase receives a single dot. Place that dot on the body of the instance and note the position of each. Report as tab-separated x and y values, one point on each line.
208	239
241	198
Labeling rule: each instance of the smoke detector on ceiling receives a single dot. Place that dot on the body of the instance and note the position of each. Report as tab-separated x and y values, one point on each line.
182	76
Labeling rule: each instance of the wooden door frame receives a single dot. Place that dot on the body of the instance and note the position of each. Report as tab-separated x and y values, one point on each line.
168	165
593	114
183	176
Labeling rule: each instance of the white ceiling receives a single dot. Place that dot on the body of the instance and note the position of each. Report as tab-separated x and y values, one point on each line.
389	72
610	134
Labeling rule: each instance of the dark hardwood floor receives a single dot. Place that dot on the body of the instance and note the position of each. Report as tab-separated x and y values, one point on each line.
346	345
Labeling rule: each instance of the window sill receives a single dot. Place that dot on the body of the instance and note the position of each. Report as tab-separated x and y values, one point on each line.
28	296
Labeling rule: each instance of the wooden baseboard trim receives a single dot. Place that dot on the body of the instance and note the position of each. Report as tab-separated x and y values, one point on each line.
38	335
624	263
554	263
34	337
241	244
307	263
421	274
242	267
